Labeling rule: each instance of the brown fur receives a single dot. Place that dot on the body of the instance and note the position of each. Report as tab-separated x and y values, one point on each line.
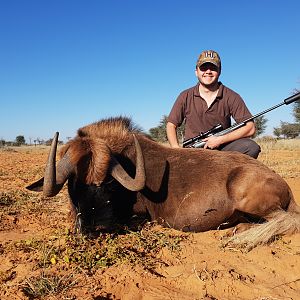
91	150
115	132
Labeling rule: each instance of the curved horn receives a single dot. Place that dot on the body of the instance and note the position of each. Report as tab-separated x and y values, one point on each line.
132	184
55	178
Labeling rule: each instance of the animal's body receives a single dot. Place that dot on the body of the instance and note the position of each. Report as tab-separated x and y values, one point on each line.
187	189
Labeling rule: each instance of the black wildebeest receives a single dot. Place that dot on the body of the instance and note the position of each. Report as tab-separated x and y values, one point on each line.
115	171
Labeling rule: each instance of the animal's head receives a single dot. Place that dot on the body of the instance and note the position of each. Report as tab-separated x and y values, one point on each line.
93	173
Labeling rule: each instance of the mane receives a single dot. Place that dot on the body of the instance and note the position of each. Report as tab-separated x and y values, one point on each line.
116	131
118	127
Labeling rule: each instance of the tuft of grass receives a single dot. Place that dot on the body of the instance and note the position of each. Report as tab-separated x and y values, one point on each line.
13	197
6	199
15	202
28	245
45	285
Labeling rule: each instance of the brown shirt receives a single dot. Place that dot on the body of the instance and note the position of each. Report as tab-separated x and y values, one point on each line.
199	118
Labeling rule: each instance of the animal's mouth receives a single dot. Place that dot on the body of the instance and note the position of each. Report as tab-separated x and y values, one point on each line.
92	226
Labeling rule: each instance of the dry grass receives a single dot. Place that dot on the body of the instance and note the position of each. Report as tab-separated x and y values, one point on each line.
47	284
282	156
268	143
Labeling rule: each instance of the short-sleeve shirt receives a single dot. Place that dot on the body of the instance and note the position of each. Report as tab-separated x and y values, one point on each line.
199	118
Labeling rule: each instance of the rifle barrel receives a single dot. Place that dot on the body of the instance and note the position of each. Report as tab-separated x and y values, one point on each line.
292	99
286	101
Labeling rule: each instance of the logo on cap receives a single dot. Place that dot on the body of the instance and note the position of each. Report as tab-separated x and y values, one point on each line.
209	56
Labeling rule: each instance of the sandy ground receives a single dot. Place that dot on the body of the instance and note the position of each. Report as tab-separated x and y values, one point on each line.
201	269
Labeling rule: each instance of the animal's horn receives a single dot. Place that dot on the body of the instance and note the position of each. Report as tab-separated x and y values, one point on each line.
133	184
55	178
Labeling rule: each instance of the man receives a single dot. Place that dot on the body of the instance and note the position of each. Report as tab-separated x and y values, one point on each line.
208	104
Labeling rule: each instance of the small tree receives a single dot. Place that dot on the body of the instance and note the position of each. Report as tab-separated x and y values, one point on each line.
38	141
261	125
20	140
296	108
277	132
289	130
159	133
155	133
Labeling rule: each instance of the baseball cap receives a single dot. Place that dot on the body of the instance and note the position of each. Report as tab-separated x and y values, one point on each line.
209	56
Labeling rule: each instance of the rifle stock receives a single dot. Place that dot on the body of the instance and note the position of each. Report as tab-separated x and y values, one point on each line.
197	141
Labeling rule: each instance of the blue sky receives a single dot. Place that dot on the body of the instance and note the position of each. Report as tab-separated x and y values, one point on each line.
65	64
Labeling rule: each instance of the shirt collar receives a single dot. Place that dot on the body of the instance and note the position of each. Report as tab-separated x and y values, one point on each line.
220	92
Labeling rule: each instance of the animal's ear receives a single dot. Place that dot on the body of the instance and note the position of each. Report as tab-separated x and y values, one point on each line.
36	186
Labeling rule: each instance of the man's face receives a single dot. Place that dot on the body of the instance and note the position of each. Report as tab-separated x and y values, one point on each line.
208	74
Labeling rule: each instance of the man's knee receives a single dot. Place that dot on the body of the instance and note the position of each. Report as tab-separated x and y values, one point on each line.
253	149
245	146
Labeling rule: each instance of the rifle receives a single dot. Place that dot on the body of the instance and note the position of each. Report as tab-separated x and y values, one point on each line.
196	142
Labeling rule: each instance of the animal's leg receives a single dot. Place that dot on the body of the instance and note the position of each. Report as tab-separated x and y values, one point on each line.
239	222
241	227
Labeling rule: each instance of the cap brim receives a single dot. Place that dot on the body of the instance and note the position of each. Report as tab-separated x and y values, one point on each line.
209	61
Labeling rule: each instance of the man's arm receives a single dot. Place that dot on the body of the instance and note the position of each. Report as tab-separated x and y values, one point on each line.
172	135
213	142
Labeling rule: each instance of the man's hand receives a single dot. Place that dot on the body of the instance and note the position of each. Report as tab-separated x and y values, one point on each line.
213	142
